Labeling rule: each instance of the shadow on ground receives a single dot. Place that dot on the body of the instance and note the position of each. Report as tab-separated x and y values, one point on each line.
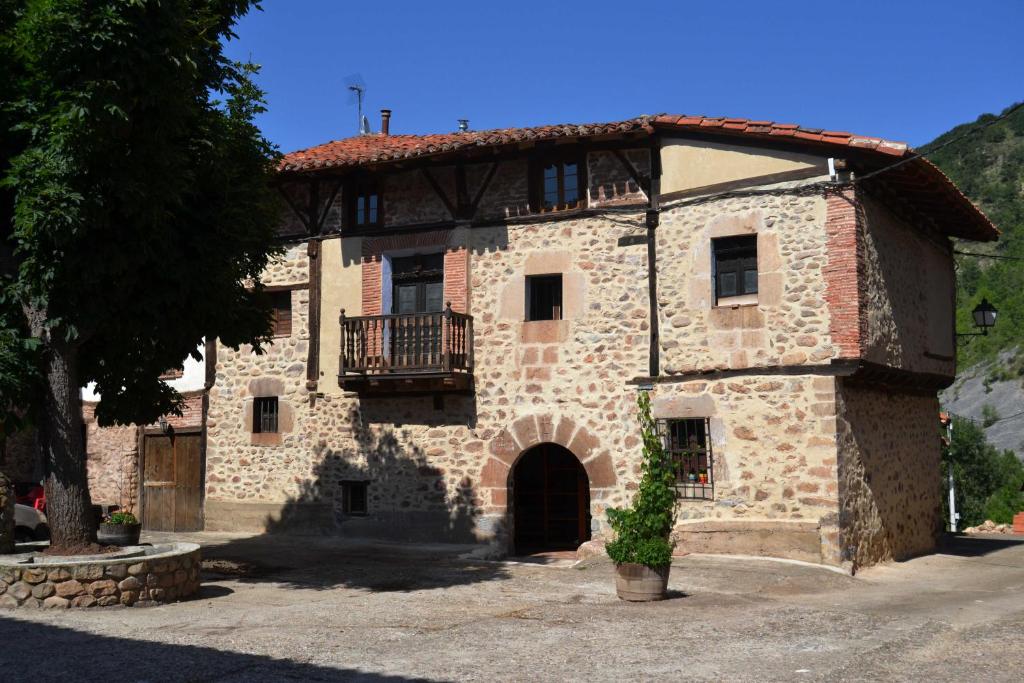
321	563
41	652
963	545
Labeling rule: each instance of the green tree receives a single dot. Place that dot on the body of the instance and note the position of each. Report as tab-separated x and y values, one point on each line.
987	481
137	206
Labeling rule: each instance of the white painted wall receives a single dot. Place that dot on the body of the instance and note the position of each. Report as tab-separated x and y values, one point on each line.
192	379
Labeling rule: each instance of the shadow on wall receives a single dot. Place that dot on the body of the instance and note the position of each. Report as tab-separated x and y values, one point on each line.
30	648
384	486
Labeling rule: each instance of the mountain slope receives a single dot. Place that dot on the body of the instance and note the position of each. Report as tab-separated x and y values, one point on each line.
989	167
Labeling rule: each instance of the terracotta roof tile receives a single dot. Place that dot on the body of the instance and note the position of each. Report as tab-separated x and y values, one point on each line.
919	179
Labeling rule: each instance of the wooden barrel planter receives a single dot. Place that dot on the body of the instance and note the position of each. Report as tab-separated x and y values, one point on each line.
640	583
119	534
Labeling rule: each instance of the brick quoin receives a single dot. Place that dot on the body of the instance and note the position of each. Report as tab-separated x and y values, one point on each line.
844	272
456	267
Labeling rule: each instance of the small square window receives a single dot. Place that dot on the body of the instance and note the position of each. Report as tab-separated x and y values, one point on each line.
354	497
687	444
281	313
735	267
544	297
264	415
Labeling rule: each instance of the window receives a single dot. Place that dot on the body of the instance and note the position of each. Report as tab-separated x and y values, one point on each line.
688	447
264	415
544	297
366	205
281	313
558	184
735	266
354	497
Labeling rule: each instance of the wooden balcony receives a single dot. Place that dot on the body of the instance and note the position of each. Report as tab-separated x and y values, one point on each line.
412	353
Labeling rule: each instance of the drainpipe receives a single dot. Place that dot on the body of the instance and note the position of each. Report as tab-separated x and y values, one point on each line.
954	517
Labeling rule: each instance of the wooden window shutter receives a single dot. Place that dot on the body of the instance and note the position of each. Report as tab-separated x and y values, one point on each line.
282	311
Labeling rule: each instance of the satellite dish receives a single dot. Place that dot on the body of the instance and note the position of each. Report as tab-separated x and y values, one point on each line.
356	87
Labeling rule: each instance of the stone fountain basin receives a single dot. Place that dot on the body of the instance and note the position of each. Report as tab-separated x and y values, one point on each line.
132	576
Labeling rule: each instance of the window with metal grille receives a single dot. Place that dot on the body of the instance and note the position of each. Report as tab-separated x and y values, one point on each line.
687	444
558	183
543	297
735	266
355	498
281	313
264	415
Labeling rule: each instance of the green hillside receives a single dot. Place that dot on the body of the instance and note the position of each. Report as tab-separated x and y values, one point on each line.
989	167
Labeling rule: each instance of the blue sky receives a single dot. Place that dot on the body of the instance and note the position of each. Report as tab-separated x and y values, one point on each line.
903	69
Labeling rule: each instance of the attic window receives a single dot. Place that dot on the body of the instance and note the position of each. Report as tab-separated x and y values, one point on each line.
366	207
558	183
735	269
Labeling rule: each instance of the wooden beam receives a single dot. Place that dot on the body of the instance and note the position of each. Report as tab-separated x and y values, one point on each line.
440	193
483	188
642	181
327	206
462	204
294	207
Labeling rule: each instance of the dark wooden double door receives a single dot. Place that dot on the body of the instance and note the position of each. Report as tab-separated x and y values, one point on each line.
172	482
550	500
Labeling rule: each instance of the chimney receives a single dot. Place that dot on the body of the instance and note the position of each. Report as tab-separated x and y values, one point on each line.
385	119
463	125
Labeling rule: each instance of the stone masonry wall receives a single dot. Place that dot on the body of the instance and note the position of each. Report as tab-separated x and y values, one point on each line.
890	486
908	294
112	458
789	324
131	582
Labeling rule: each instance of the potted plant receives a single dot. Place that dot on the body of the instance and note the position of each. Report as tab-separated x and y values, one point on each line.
119	528
642	549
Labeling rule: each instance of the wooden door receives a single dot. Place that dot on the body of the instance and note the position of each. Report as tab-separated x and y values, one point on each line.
172	483
551	499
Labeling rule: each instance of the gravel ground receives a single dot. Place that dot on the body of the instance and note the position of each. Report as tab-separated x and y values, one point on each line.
324	609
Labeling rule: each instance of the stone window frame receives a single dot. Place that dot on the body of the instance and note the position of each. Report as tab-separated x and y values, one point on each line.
557	307
744	298
262	418
686	488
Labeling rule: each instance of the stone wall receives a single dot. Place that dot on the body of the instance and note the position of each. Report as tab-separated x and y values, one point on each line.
20	459
908	294
774	456
112	459
890	481
132	582
788	325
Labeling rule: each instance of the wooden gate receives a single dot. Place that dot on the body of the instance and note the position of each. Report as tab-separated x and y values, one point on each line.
172	483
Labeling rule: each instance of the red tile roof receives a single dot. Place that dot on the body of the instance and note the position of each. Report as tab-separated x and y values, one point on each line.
374	149
920	182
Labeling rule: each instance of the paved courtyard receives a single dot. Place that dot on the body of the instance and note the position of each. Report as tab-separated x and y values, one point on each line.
278	608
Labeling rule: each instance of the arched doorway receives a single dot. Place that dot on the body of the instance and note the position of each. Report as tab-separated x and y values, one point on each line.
550	500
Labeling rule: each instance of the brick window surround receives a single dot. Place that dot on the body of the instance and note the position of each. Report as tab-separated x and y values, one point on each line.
456	267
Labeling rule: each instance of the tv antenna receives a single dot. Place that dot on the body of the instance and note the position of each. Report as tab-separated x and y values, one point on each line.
356	89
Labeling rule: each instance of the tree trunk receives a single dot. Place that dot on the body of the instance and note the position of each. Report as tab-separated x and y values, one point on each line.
68	507
6	512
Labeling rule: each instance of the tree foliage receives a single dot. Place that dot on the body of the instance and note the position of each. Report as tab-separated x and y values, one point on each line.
987	481
989	167
135	208
642	530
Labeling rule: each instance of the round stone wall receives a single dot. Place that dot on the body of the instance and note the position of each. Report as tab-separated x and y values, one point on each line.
135	577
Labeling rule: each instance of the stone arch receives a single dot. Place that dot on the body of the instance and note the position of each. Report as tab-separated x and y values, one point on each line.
532	430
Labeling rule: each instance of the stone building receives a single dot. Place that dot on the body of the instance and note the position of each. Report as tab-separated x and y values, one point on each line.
464	321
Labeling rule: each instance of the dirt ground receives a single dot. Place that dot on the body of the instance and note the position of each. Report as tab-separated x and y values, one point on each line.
277	608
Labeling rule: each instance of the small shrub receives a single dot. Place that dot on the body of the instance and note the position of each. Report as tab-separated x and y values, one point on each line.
121	518
989	415
642	530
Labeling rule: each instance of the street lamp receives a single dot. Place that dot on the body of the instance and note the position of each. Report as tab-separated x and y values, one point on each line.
984	317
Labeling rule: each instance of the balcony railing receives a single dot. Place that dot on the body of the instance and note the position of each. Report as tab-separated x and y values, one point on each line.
406	346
